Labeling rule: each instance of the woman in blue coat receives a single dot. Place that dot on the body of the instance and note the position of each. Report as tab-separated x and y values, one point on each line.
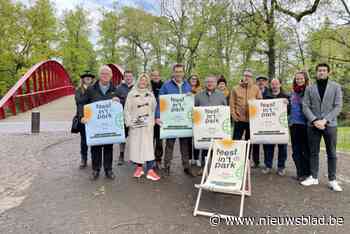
298	127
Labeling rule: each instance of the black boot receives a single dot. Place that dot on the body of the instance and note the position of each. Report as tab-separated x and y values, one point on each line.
95	175
121	159
110	175
167	170
83	164
158	165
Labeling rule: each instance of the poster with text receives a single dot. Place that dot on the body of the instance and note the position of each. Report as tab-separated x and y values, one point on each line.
105	123
227	164
176	115
268	121
210	123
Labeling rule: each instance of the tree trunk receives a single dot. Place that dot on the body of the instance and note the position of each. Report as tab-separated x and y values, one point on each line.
271	42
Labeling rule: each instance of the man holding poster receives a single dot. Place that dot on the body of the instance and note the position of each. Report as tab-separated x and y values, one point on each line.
240	95
210	123
269	125
176	85
102	90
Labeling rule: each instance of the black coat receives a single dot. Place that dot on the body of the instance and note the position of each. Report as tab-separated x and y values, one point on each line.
94	94
79	101
123	89
282	94
156	87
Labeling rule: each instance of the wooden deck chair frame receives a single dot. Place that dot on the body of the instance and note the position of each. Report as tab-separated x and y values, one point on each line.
245	190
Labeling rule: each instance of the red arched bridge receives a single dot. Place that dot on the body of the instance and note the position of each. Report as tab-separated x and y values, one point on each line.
43	83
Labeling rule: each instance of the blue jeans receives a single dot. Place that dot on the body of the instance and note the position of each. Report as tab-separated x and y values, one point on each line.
269	151
149	165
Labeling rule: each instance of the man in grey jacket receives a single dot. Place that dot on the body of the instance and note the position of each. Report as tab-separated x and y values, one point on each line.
322	104
209	97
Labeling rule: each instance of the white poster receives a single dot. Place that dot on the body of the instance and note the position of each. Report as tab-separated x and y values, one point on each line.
210	123
105	123
268	121
227	165
176	115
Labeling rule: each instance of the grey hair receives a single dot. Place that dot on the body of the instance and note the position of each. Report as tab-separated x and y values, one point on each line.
103	67
248	70
210	76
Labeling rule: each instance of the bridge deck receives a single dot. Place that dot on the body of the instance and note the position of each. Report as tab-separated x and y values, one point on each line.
55	116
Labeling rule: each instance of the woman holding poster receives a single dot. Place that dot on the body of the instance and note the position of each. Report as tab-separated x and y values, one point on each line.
196	88
139	114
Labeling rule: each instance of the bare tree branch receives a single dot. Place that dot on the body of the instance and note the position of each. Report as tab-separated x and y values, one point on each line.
346	7
300	15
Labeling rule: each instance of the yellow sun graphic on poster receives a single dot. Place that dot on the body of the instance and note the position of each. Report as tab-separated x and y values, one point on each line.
87	113
196	117
163	105
226	143
252	111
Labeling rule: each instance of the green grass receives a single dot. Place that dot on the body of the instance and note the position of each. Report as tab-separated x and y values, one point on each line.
343	139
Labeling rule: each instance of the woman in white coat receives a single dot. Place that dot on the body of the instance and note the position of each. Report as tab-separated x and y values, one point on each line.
139	117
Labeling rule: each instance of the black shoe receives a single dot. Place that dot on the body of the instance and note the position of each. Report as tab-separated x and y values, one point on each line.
110	175
158	165
189	172
121	159
95	175
167	170
83	164
255	165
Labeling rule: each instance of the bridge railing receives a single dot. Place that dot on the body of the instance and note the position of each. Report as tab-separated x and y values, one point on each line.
118	73
43	83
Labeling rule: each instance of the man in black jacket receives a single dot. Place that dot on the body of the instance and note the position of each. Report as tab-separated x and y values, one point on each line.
123	89
157	83
102	90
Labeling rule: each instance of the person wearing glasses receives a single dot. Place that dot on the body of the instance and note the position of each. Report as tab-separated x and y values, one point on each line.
240	95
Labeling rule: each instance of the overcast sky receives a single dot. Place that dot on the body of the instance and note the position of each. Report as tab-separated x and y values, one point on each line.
93	6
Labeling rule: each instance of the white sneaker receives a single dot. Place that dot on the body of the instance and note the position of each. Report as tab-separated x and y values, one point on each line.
309	181
333	185
266	170
198	163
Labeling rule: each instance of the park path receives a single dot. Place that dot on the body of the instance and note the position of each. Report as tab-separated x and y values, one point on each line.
43	191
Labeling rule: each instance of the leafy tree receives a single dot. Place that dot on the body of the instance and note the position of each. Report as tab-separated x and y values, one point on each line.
77	51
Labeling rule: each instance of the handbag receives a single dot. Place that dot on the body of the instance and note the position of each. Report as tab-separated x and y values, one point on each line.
75	125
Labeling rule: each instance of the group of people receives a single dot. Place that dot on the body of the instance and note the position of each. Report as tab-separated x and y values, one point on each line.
312	114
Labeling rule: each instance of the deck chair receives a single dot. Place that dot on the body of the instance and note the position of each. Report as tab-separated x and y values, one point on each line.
219	180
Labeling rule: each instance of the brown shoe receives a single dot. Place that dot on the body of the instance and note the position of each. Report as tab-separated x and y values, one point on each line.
200	172
121	159
190	172
83	164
